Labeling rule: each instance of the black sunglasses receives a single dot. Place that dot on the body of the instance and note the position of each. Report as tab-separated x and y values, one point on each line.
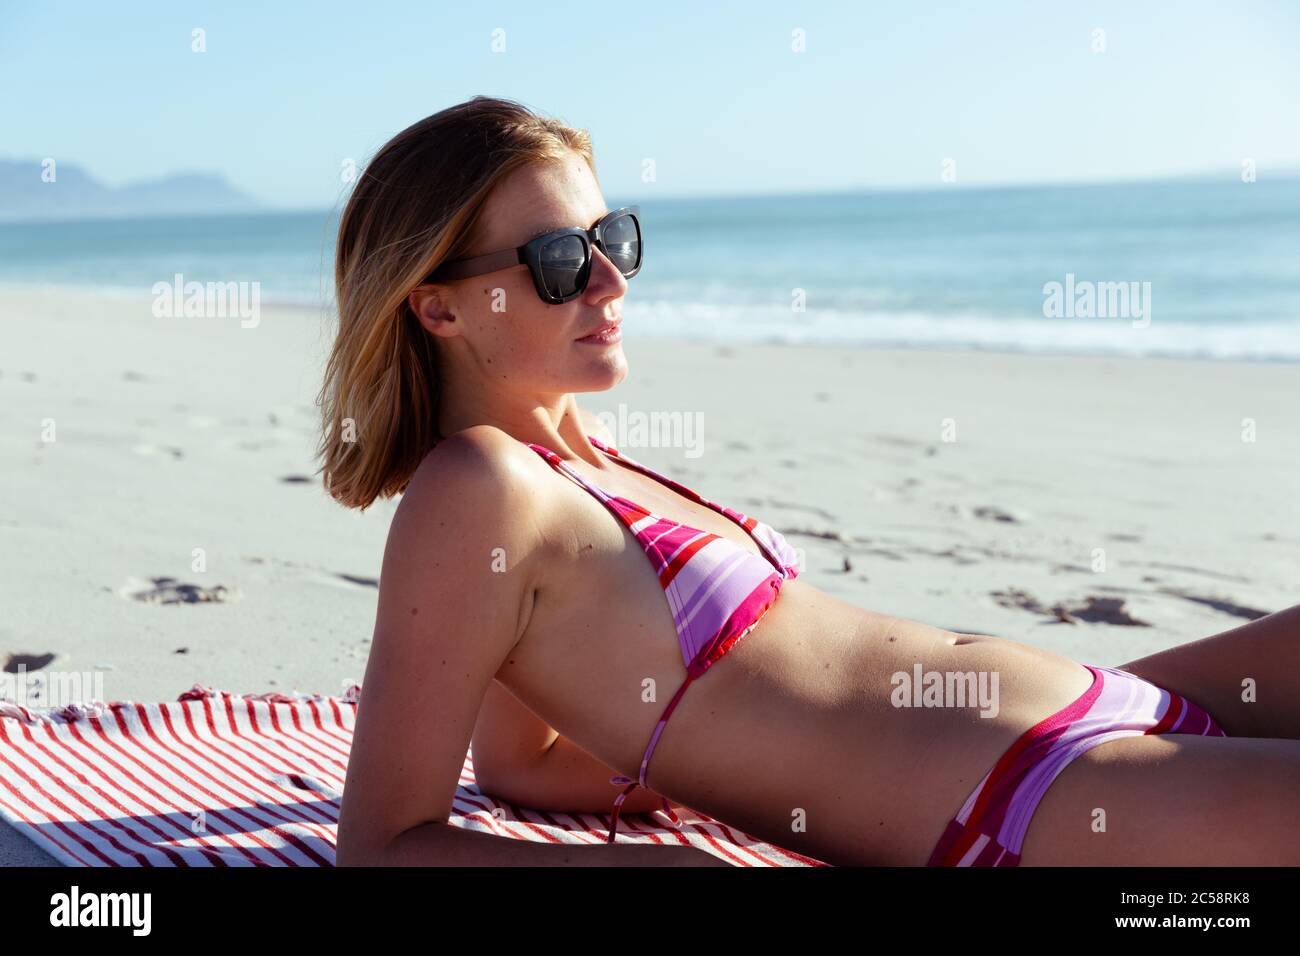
560	261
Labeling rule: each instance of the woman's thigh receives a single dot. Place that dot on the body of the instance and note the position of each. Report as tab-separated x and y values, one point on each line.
1248	678
1172	800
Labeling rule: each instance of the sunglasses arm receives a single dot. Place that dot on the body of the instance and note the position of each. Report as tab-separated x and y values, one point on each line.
478	265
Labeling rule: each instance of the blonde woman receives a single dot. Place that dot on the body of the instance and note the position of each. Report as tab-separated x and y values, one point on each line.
603	633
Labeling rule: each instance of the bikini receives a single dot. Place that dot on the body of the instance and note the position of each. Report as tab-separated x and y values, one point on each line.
718	592
990	827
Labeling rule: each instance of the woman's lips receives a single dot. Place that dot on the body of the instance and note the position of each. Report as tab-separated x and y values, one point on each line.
607	335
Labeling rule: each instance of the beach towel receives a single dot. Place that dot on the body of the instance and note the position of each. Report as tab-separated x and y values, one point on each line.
223	779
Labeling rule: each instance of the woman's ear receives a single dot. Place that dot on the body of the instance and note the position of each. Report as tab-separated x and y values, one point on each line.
430	305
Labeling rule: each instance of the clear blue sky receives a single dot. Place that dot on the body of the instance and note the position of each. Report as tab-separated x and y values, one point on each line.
712	92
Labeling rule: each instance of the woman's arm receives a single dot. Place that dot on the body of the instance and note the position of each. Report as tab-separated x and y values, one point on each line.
446	621
438	844
521	759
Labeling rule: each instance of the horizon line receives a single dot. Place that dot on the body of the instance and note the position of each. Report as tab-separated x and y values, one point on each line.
1287	173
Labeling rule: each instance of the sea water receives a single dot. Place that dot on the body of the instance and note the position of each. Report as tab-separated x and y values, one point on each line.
954	267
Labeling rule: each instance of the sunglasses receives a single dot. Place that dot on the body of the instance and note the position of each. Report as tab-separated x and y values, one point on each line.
560	261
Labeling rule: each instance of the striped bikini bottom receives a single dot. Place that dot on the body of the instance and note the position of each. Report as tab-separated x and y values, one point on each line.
990	826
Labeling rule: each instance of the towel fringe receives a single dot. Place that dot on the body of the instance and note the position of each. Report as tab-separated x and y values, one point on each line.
87	710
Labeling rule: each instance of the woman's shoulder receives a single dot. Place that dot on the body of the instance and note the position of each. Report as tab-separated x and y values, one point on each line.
479	465
476	489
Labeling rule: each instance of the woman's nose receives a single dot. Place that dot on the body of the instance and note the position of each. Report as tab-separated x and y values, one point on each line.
605	277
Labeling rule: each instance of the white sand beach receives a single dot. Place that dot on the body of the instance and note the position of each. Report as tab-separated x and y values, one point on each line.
171	435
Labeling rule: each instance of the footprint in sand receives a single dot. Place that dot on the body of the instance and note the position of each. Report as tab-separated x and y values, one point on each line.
898	441
989	513
358	579
1219	604
19	663
1100	610
825	535
320	575
1015	598
1094	610
172	591
159	451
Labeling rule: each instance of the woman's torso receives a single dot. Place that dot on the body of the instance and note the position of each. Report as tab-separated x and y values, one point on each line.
794	735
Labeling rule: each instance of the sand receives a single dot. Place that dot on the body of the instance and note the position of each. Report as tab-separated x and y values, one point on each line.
1102	508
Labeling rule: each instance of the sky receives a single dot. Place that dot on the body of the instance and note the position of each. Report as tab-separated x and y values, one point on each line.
880	97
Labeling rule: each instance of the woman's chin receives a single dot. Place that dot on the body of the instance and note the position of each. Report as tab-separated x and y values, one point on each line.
606	371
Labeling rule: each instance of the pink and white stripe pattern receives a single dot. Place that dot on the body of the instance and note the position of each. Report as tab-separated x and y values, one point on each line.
990	827
221	779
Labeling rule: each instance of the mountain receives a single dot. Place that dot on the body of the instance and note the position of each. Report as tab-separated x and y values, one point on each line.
75	194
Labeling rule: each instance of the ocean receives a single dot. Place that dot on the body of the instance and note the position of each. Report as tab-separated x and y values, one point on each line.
1194	268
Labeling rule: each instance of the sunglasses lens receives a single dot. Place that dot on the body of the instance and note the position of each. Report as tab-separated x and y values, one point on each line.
564	265
621	239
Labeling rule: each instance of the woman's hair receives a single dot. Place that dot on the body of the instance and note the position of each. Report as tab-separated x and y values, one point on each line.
416	205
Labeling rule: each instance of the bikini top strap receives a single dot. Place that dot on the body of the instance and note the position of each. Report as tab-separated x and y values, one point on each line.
620	780
743	521
559	465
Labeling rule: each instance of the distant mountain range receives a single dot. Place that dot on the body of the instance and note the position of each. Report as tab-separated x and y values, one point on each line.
75	194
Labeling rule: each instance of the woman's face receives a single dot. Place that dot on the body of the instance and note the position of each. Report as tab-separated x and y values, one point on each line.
501	333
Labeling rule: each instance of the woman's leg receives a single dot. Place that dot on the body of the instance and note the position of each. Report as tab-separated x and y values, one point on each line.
1213	672
1172	800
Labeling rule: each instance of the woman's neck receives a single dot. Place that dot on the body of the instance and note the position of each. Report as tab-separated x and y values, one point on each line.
556	424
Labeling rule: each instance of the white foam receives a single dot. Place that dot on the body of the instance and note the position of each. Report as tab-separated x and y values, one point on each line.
708	322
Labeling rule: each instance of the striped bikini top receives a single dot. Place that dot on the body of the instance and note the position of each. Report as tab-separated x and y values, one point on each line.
717	590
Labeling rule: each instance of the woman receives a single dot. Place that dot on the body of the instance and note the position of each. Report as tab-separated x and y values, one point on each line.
480	280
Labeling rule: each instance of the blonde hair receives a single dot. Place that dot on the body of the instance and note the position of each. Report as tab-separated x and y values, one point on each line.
416	205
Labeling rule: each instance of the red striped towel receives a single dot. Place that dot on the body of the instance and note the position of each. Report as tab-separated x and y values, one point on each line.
221	779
